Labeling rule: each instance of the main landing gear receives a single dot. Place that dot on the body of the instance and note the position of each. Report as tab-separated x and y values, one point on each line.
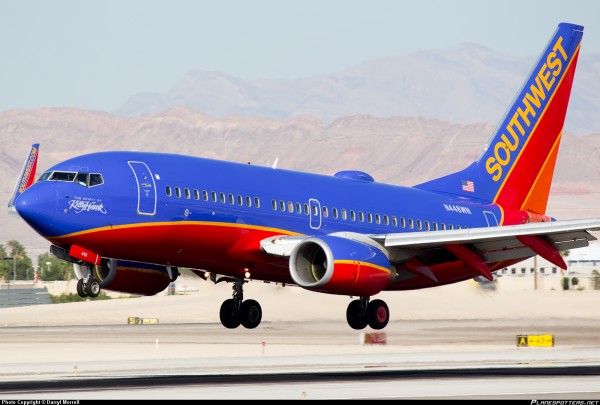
236	311
361	313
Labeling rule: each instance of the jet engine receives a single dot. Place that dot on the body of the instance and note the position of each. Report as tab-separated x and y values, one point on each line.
129	277
336	265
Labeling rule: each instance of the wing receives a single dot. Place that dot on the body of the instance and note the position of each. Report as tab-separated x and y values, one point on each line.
477	248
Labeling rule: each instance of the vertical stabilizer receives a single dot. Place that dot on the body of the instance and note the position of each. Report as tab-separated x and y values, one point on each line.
515	168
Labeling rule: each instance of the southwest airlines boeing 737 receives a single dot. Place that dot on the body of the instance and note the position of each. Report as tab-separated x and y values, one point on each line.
129	220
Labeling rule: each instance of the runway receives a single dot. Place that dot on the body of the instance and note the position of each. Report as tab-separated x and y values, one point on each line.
465	359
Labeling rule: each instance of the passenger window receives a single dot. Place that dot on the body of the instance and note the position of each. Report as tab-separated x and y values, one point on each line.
298	208
443	226
377	219
402	222
257	202
306	209
315	210
369	217
419	225
248	201
196	195
435	226
410	223
394	222
290	206
361	216
352	215
386	220
168	191
343	212
282	205
231	199
177	192
205	195
325	212
187	193
450	227
240	200
427	226
334	211
213	194
274	205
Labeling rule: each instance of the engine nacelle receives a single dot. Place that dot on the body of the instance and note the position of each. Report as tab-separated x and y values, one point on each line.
129	277
335	265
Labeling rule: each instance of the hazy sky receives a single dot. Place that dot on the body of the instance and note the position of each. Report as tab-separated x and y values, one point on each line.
94	54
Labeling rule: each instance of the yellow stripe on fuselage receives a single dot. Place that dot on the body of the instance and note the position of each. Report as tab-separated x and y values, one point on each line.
179	223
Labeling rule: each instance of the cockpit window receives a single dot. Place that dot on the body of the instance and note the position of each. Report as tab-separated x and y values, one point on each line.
44	176
62	176
84	179
96	179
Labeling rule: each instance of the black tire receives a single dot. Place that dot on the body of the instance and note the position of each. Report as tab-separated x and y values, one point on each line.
92	287
356	316
228	314
378	314
81	289
250	314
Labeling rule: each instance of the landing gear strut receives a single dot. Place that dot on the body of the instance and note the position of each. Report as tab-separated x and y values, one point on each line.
88	286
236	311
361	313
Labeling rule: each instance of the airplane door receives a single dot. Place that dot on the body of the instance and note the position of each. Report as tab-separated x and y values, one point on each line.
315	213
490	218
146	188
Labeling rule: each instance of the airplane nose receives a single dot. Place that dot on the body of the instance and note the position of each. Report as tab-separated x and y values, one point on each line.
37	206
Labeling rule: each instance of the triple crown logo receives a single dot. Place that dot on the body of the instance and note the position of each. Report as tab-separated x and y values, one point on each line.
532	104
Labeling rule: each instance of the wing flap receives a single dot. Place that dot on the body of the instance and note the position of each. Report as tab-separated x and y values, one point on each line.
493	244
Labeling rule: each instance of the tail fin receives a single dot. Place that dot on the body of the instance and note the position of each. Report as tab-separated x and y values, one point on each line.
27	174
515	169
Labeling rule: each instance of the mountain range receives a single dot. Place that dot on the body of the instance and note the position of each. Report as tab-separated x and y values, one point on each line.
463	84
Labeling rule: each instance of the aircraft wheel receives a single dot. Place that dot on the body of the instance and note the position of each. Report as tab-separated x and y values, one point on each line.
355	315
81	289
228	314
93	287
250	314
378	314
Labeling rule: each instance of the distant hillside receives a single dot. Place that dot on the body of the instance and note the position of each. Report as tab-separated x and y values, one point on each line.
464	84
396	150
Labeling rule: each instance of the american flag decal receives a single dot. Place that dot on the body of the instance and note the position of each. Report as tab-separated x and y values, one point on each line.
468	185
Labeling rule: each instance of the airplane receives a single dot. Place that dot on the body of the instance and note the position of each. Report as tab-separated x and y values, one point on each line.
128	220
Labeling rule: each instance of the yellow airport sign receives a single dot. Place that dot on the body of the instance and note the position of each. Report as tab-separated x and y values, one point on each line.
535	340
134	320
